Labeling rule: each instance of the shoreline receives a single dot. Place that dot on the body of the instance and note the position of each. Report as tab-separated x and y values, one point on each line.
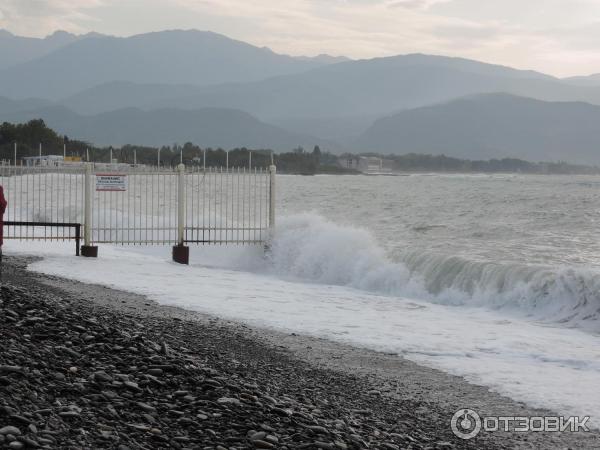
401	391
438	172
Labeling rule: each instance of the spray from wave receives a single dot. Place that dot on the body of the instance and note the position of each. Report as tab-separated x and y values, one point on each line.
308	247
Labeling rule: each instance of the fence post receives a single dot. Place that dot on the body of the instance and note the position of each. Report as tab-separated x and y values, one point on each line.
181	253
87	249
272	172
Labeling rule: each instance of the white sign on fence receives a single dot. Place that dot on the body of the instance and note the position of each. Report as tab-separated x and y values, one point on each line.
111	182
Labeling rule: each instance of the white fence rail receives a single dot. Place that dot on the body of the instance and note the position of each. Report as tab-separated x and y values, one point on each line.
227	206
145	213
140	207
38	195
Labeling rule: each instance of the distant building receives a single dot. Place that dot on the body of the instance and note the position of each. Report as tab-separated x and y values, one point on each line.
45	161
348	162
72	161
366	164
116	166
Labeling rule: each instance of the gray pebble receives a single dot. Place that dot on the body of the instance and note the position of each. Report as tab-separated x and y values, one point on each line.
10	430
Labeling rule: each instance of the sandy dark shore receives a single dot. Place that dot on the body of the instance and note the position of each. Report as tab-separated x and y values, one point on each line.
85	366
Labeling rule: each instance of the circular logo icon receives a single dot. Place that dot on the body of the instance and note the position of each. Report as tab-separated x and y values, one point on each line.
466	423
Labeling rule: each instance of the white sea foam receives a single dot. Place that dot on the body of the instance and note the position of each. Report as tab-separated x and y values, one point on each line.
308	247
543	365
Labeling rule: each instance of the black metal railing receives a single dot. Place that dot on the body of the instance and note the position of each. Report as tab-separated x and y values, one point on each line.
76	226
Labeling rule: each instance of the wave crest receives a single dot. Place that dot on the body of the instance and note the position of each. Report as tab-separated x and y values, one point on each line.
308	247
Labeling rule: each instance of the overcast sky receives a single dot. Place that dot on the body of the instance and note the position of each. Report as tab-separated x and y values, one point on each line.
560	37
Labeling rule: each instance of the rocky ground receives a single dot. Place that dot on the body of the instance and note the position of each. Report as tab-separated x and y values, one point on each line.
78	373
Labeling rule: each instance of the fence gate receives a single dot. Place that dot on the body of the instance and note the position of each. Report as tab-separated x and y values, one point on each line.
176	207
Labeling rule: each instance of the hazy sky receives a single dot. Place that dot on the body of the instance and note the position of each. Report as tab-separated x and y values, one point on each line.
561	37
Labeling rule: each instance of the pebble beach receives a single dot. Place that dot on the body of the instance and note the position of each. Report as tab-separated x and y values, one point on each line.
86	367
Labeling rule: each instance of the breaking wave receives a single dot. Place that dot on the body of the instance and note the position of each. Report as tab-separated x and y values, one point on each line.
308	247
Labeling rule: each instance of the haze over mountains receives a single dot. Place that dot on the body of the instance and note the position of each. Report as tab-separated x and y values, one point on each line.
214	127
172	86
169	57
16	49
489	124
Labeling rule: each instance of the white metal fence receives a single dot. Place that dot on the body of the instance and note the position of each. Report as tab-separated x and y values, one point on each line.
140	207
43	204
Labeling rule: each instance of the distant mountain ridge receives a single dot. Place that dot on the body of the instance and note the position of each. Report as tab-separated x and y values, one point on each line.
169	57
362	87
333	97
170	84
489	126
17	49
208	127
589	80
8	106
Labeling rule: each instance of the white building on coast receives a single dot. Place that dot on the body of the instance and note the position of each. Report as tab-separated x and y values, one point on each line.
366	164
44	161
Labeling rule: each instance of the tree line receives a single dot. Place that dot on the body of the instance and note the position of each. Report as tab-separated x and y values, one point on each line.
30	135
417	162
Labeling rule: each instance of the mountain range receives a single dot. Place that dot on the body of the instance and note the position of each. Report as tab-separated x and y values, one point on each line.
487	126
214	127
170	57
15	50
171	86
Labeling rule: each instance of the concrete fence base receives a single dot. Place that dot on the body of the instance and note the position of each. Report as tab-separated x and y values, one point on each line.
89	251
181	254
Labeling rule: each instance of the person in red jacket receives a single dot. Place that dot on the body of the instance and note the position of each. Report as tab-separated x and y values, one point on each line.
3	204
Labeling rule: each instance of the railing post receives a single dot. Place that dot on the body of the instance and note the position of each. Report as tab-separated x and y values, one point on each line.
181	253
87	231
87	248
180	203
272	172
77	239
